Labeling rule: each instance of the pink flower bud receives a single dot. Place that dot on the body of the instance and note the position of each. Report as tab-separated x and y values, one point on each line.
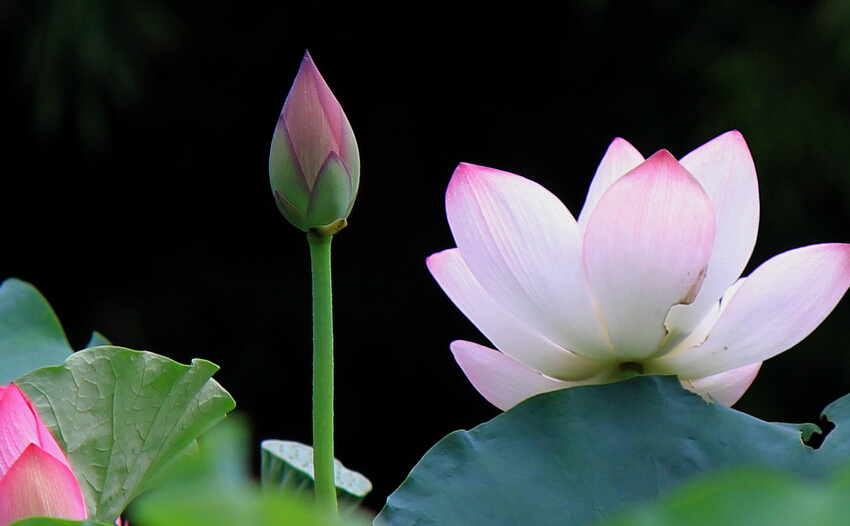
314	164
36	478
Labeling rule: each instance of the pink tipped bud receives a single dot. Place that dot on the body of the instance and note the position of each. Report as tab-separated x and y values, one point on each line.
36	478
314	164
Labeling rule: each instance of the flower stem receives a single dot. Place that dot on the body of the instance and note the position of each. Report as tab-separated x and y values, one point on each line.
323	371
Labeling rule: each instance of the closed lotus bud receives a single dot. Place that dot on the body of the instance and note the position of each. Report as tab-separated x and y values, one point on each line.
314	164
36	478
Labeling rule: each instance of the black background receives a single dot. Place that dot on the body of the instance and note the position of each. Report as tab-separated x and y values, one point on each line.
136	198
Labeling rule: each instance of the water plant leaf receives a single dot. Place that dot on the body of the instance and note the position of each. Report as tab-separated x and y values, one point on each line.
745	497
122	416
214	489
287	467
30	333
574	456
97	339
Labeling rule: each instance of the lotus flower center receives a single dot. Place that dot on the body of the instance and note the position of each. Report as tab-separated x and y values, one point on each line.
630	370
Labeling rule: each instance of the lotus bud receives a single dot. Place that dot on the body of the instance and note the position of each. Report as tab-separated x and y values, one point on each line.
36	478
314	164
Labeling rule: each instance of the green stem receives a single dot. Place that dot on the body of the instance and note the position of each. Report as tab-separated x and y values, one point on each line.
323	371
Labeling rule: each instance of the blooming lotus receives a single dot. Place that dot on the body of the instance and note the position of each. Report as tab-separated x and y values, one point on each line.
646	280
314	163
36	478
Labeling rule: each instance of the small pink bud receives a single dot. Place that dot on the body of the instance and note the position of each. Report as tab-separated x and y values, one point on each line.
314	163
36	478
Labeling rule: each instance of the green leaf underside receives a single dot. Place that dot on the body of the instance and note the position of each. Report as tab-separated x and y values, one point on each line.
287	467
214	489
30	333
123	416
574	456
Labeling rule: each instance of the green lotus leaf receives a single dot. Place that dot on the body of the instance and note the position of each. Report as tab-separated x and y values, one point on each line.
30	333
123	416
574	456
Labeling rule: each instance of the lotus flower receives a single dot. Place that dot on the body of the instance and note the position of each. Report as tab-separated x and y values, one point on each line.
36	478
646	280
314	163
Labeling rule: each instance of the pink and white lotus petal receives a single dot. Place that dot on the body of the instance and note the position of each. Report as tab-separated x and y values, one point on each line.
778	305
20	424
513	234
39	484
508	334
727	387
503	381
725	169
646	248
698	335
21	427
620	158
646	280
35	475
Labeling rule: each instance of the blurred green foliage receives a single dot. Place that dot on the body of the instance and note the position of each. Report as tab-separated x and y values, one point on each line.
215	489
748	497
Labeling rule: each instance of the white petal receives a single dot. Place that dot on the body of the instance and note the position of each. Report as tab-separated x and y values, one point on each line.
620	158
778	305
701	331
524	248
725	388
646	249
724	168
507	333
505	382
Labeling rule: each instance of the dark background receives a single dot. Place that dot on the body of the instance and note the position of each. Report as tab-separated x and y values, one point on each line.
135	189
